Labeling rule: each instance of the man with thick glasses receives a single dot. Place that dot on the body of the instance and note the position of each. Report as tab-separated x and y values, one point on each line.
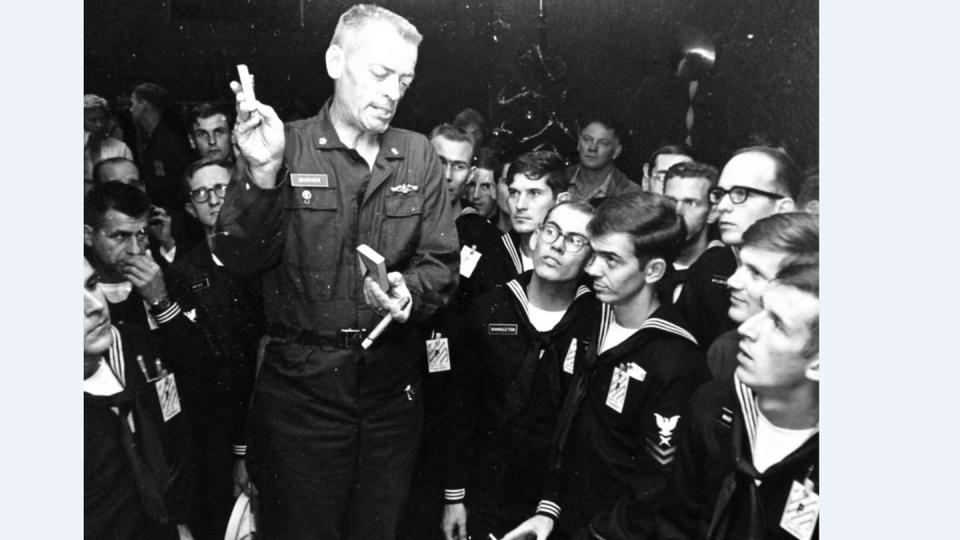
616	433
511	366
229	309
757	182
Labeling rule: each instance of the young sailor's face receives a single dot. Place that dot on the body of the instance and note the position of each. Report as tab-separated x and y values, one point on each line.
556	256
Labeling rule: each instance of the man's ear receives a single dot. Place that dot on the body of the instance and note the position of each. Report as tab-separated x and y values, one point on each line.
654	270
335	59
813	369
190	209
785	205
713	215
88	236
616	152
534	239
194	146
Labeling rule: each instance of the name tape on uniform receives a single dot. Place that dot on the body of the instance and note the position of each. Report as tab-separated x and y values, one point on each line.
309	180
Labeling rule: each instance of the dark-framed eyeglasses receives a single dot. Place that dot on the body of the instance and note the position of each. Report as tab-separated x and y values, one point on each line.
738	194
202	195
572	242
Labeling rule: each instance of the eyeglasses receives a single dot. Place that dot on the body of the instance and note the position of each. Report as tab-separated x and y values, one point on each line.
202	195
457	166
571	241
738	194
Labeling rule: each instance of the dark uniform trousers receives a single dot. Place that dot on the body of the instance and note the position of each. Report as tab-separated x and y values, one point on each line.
321	444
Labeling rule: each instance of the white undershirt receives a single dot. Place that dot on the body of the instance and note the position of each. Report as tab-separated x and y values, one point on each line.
616	335
542	319
775	443
526	262
103	382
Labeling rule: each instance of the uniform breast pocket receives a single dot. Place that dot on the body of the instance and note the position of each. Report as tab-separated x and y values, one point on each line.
313	228
401	227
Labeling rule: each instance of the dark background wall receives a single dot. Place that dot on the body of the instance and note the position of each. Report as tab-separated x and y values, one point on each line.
617	55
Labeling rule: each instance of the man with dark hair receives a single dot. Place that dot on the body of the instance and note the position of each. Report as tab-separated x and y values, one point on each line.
335	427
596	176
770	244
755	183
614	440
229	311
655	169
455	150
481	192
688	184
115	221
160	224
534	183
511	367
211	131
748	466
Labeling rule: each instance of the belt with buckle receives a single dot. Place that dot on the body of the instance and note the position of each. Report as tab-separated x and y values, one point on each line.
344	338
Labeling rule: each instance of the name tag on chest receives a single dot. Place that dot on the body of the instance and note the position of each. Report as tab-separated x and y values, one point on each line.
495	329
309	180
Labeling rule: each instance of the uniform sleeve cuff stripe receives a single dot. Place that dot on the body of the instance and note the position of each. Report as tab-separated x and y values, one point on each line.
549	508
454	495
169	314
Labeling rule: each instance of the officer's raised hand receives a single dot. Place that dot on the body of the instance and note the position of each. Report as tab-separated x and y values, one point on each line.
258	134
397	301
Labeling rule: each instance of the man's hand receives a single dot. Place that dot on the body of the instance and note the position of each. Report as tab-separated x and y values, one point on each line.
391	301
158	227
146	276
259	136
538	527
241	480
454	521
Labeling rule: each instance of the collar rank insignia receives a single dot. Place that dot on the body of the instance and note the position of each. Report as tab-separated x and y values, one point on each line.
666	427
322	140
404	188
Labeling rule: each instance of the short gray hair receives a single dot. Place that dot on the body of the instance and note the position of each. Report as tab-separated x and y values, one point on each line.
354	19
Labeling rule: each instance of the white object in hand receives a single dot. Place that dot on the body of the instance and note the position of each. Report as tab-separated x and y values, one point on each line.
246	82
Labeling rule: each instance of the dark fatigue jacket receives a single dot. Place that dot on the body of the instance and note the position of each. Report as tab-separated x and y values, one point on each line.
304	234
713	493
